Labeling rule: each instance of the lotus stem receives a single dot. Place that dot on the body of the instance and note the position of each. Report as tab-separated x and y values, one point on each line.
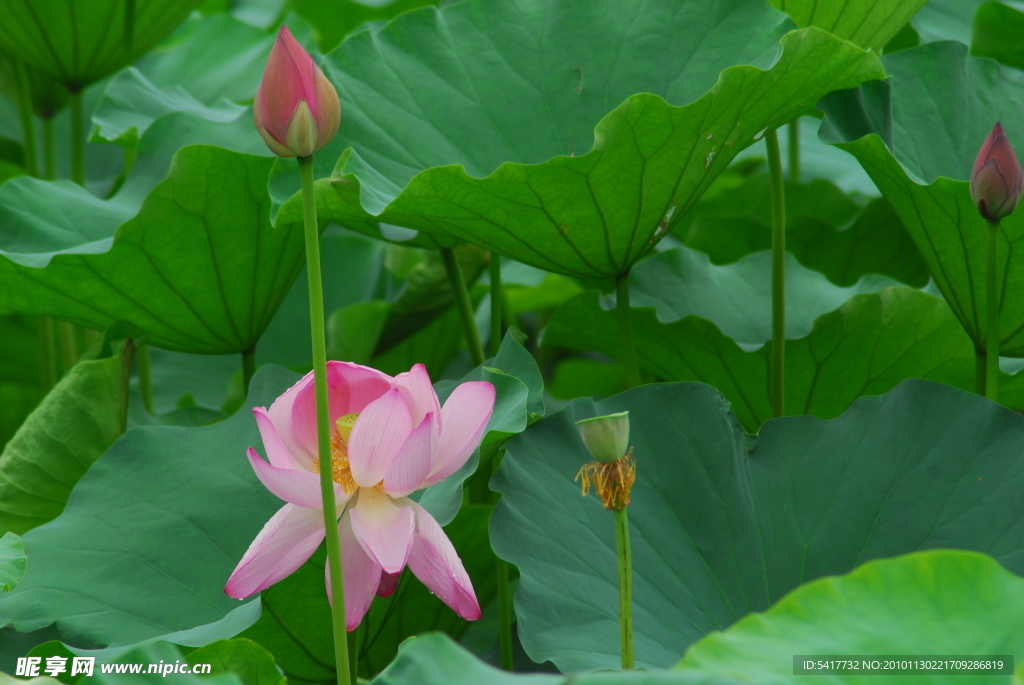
992	300
496	303
145	376
67	341
778	367
465	306
794	151
249	361
323	429
48	353
49	150
28	129
626	346
127	356
129	29
979	372
77	138
625	587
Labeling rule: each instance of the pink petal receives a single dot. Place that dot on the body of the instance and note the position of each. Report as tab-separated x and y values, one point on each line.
283	416
360	573
286	541
465	416
418	393
383	529
301	488
377	436
287	79
276	451
388	584
411	465
350	388
435	562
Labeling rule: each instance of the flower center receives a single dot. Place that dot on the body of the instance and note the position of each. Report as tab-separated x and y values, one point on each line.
341	471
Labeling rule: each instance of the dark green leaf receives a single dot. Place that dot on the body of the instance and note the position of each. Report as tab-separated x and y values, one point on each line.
251	663
12	561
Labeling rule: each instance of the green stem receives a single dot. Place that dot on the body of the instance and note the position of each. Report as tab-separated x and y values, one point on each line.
625	587
992	300
49	150
353	650
67	342
129	29
48	353
778	367
145	377
28	129
462	301
979	372
794	151
77	138
497	296
323	429
249	366
626	346
504	593
127	354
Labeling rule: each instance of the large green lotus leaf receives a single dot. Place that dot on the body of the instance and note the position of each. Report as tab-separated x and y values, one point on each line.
332	20
866	347
737	297
83	41
156	526
20	372
723	524
934	602
994	31
867	23
946	20
69	430
251	663
825	229
419	162
183	271
12	561
936	127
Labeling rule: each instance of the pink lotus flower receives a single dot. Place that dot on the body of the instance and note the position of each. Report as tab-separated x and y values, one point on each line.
296	110
389	438
996	179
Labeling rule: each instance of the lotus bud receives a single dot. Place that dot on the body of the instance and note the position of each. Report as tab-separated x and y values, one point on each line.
996	178
606	437
296	108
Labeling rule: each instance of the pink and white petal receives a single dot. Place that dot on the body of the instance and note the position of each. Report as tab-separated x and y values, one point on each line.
277	453
283	416
377	436
286	541
419	393
301	488
359	572
435	562
411	465
383	529
465	416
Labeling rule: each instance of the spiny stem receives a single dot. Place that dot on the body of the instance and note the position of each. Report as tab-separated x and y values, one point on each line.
626	346
625	587
48	353
77	138
249	366
49	150
979	372
145	376
465	306
323	429
992	300
496	302
778	366
28	129
794	151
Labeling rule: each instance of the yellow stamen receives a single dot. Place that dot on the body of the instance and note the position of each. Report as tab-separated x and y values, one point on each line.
612	482
341	471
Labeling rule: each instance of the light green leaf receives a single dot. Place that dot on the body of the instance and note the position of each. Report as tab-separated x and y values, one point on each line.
82	42
12	561
946	20
935	602
995	34
926	180
867	23
723	524
248	661
69	430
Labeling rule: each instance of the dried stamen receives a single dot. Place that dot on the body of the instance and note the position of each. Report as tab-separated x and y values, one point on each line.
611	481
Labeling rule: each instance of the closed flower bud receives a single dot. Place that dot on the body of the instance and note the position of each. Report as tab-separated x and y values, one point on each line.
296	108
606	437
996	178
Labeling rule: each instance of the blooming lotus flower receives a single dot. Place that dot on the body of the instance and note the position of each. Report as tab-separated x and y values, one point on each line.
389	438
996	178
296	108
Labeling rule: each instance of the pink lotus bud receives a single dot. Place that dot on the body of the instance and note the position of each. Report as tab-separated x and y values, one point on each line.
996	178
296	109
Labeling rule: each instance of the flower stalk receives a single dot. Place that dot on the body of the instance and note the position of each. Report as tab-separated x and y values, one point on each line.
77	138
626	346
794	151
323	428
778	363
28	129
145	376
612	478
465	306
992	316
249	358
